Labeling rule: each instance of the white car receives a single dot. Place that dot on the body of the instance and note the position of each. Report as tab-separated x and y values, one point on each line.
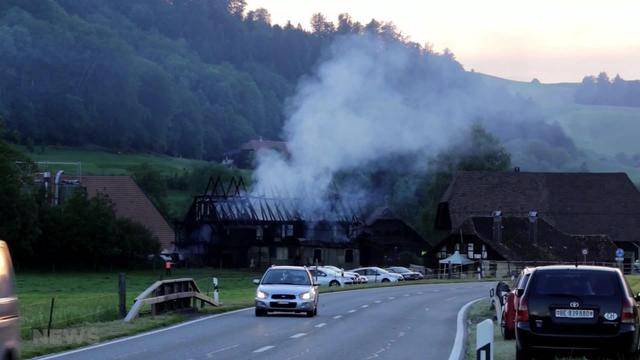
378	275
357	278
327	277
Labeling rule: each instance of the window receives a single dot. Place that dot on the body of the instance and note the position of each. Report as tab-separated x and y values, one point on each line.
457	247
282	253
484	252
348	255
442	254
470	250
289	230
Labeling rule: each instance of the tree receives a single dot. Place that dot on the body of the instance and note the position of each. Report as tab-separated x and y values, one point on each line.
321	26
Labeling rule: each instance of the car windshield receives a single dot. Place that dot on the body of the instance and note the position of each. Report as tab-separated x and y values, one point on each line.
286	277
383	271
575	283
400	269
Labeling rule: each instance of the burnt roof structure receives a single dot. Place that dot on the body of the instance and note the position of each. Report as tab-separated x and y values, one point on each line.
574	203
232	203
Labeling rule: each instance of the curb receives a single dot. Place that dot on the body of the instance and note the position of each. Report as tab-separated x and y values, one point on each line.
459	345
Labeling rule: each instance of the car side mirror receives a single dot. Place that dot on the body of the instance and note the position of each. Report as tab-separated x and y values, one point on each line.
256	281
520	292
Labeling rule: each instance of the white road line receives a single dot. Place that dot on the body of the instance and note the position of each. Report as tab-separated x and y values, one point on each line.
391	297
263	349
364	306
298	335
352	311
337	316
321	325
450	298
458	343
407	295
210	354
420	293
377	301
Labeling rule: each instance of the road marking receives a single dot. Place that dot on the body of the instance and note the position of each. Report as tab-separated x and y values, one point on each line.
391	297
364	306
458	343
321	325
420	293
351	311
263	349
407	295
377	301
298	335
210	355
401	334
337	316
426	309
450	298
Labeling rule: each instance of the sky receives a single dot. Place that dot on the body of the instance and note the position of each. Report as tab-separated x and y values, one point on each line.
551	40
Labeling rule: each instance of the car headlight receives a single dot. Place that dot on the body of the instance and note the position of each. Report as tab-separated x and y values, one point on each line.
306	296
261	295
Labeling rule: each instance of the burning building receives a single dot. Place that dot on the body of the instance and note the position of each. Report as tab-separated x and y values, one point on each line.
229	227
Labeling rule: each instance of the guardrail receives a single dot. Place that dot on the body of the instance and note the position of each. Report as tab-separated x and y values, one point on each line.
169	295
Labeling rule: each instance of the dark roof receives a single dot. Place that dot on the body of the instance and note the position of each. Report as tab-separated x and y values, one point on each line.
574	203
130	202
550	243
381	213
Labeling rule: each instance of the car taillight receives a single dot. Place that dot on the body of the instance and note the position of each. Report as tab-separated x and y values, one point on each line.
522	314
627	311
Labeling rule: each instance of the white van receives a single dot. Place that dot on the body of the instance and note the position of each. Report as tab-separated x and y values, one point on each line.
9	318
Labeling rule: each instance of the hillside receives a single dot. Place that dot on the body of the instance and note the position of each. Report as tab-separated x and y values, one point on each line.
599	129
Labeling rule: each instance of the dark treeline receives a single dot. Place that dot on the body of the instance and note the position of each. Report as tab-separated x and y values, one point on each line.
190	78
603	91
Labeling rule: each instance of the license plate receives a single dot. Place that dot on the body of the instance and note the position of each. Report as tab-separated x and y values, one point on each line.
283	303
574	313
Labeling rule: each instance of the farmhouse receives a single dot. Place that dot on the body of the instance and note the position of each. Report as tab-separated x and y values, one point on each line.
226	226
245	155
526	216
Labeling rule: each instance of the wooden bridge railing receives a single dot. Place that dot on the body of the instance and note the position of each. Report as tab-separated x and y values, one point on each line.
168	295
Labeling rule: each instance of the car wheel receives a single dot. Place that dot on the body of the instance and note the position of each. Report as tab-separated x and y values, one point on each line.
311	313
261	312
523	354
315	311
385	280
334	283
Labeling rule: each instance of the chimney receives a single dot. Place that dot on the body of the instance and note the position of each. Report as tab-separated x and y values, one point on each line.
533	227
497	226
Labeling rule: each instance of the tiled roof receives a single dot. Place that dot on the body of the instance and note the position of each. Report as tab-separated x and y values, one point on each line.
130	202
574	203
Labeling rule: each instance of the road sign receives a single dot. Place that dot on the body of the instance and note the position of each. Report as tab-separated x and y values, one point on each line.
585	252
619	253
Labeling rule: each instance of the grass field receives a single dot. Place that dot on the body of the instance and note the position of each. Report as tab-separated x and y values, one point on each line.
505	349
98	162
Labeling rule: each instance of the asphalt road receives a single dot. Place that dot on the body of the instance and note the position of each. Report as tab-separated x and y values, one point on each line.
406	322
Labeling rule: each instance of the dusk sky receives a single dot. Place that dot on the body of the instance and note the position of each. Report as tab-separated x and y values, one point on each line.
554	41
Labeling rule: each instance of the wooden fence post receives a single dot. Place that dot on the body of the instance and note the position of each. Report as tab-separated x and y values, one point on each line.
122	295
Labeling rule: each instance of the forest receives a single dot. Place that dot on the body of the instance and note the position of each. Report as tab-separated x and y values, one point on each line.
190	78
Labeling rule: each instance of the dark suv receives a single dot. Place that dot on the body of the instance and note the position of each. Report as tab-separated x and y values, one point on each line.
577	308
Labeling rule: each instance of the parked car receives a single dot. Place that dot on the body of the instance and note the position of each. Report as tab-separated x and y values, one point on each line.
10	329
325	276
510	306
406	273
378	275
577	307
357	278
286	289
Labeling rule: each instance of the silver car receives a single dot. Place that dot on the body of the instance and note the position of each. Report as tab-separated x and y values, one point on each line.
286	289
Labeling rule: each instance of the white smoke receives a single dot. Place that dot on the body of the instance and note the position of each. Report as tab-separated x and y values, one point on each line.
369	100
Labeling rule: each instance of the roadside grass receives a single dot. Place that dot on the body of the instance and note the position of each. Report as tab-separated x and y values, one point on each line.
87	303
